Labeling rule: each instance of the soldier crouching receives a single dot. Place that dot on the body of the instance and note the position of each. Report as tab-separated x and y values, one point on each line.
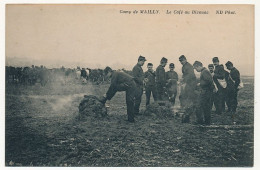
121	81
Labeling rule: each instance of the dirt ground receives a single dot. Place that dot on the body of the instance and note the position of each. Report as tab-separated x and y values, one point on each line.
43	129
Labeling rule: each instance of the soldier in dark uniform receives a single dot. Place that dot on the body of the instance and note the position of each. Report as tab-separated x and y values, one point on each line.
171	83
218	77
232	87
150	87
161	79
139	80
189	81
206	85
211	70
121	81
83	73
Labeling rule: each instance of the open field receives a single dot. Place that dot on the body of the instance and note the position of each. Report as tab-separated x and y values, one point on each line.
42	129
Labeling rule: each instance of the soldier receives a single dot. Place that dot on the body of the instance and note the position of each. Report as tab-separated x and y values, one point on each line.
83	73
232	87
150	87
139	80
189	81
161	79
206	85
171	85
188	84
121	81
219	80
211	70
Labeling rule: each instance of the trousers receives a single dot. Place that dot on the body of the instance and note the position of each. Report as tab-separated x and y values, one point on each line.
203	111
148	91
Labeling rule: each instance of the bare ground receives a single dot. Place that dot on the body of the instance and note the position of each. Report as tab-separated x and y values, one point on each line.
42	129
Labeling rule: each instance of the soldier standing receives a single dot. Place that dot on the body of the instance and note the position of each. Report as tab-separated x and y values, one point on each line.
161	79
83	73
139	80
211	70
187	97
171	85
150	87
121	81
219	80
206	85
232	87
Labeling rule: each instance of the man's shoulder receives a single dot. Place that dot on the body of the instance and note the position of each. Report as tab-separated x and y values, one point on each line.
219	67
159	67
206	72
136	67
187	65
235	70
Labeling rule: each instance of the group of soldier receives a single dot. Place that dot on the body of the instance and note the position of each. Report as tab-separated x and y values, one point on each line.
32	75
215	86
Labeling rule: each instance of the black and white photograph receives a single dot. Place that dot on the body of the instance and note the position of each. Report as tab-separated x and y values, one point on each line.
129	85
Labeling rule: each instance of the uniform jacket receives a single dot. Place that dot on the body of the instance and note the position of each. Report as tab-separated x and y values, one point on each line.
219	72
188	73
160	75
120	81
151	78
171	75
138	75
171	78
206	81
235	75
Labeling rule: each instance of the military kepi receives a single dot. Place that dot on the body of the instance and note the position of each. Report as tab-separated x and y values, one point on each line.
164	60
229	63
141	58
215	59
182	57
171	65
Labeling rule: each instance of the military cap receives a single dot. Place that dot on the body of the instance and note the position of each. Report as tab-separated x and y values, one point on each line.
182	57
141	58
229	63
150	64
210	65
215	59
164	60
171	65
197	63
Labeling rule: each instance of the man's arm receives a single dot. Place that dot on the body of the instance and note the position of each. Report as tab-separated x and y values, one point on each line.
236	77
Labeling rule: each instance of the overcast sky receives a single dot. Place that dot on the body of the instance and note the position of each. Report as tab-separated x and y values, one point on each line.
99	35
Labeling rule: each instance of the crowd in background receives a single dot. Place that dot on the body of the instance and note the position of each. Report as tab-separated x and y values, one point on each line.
41	74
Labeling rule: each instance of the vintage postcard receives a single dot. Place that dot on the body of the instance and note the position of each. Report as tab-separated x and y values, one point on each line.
121	85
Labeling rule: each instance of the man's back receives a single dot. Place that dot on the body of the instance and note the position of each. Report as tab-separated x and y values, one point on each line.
160	74
188	73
